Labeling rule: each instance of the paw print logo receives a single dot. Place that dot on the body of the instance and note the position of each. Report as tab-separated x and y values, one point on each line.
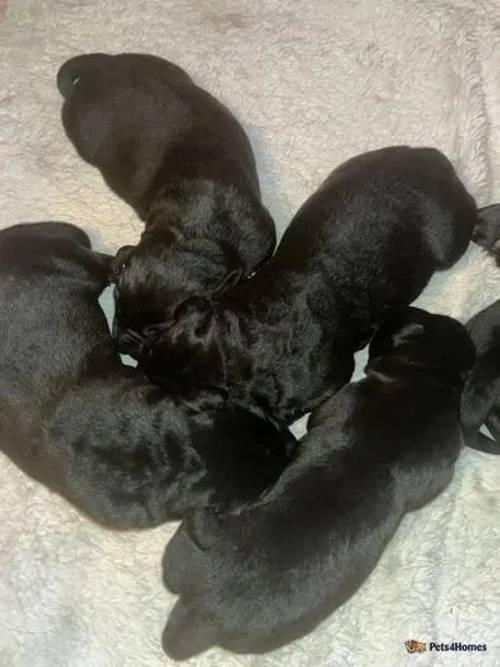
413	646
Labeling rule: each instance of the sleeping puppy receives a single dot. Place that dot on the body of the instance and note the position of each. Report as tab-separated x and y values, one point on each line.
73	417
372	235
481	396
183	162
253	581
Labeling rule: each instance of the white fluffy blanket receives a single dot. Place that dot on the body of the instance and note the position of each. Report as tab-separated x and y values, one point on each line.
314	82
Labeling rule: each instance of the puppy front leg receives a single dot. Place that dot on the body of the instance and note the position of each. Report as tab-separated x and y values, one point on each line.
337	383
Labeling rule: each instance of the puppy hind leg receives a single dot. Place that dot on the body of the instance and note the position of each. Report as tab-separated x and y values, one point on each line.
177	564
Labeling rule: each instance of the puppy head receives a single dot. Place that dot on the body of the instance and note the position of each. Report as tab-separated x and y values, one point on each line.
154	281
424	339
88	112
119	113
187	355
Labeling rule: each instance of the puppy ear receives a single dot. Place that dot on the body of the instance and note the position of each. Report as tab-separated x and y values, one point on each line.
121	258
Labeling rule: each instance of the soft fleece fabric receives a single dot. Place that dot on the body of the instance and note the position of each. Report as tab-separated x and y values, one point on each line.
314	82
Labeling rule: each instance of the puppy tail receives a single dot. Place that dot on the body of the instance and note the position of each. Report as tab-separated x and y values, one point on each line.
187	633
73	69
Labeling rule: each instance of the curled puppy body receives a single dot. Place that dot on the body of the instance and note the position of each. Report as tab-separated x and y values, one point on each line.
379	448
73	417
184	163
481	396
371	236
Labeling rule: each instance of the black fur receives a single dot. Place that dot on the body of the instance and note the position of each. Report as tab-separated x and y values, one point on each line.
381	447
73	417
183	162
487	231
371	236
481	397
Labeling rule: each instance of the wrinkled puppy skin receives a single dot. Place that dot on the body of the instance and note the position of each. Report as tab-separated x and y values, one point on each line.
184	163
370	237
96	431
481	397
381	447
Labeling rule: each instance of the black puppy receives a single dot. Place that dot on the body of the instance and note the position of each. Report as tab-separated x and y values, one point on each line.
73	417
481	397
381	447
183	162
372	235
